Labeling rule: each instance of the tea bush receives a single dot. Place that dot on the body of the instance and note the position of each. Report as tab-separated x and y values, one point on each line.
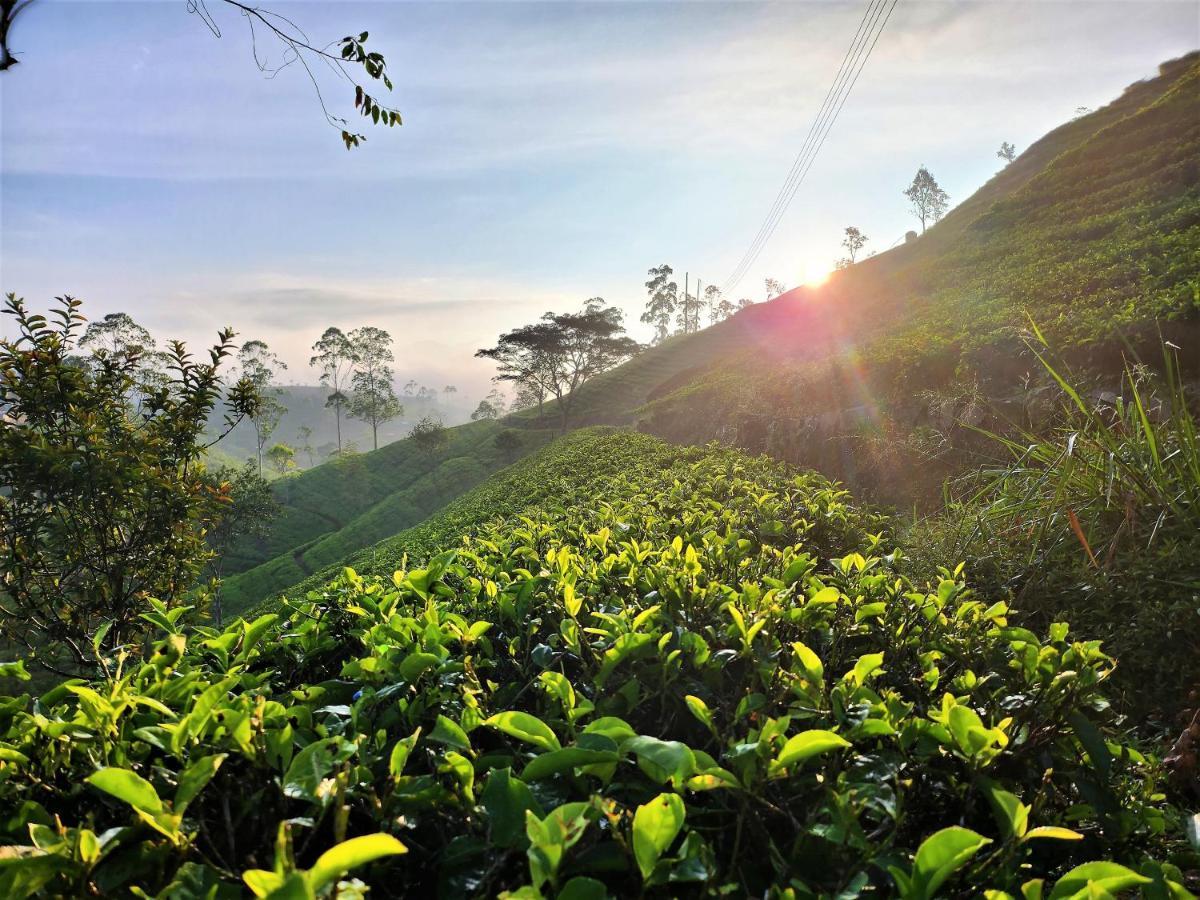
712	679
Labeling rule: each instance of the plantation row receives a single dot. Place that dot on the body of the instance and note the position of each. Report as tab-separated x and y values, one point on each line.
573	471
715	679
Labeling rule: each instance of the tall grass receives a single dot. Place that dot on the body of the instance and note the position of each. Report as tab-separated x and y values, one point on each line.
1094	517
1110	475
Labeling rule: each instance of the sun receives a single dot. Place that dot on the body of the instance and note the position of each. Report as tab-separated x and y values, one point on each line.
814	274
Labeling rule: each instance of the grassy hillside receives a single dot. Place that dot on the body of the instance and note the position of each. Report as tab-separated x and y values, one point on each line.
341	506
549	473
1093	233
690	673
1094	230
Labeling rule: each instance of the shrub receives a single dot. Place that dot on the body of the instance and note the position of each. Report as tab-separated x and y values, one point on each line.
715	678
103	498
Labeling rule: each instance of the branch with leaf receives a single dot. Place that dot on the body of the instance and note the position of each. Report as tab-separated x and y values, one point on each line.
339	57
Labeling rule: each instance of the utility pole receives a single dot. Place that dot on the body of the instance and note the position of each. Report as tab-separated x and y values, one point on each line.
685	301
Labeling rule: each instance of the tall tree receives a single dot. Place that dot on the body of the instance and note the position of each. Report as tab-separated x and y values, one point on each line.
720	307
116	335
563	351
259	366
304	443
333	354
688	318
929	201
853	242
101	507
774	287
1007	152
341	58
663	297
374	399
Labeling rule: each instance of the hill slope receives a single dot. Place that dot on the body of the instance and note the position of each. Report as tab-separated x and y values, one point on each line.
343	505
718	680
1094	230
1093	233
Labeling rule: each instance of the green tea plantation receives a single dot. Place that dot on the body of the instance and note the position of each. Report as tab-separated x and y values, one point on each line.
714	678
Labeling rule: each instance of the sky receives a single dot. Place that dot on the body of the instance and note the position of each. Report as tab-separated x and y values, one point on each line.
550	152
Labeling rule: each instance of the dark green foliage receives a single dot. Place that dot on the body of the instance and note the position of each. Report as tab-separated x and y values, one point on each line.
429	435
714	678
103	498
248	510
509	442
1096	518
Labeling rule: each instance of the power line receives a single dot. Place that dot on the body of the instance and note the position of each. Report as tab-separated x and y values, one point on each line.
854	61
835	87
836	98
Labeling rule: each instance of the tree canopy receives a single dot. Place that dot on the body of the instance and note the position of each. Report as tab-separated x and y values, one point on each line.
103	503
562	351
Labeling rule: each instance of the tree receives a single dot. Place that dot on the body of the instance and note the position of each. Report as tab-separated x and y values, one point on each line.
333	354
712	299
529	395
101	507
688	318
374	399
282	457
258	365
491	407
484	410
663	298
928	200
429	435
853	242
117	334
1007	152
508	442
562	352
774	287
340	57
447	392
304	443
247	511
744	302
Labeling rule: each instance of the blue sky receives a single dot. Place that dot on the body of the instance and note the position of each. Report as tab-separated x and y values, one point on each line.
551	152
